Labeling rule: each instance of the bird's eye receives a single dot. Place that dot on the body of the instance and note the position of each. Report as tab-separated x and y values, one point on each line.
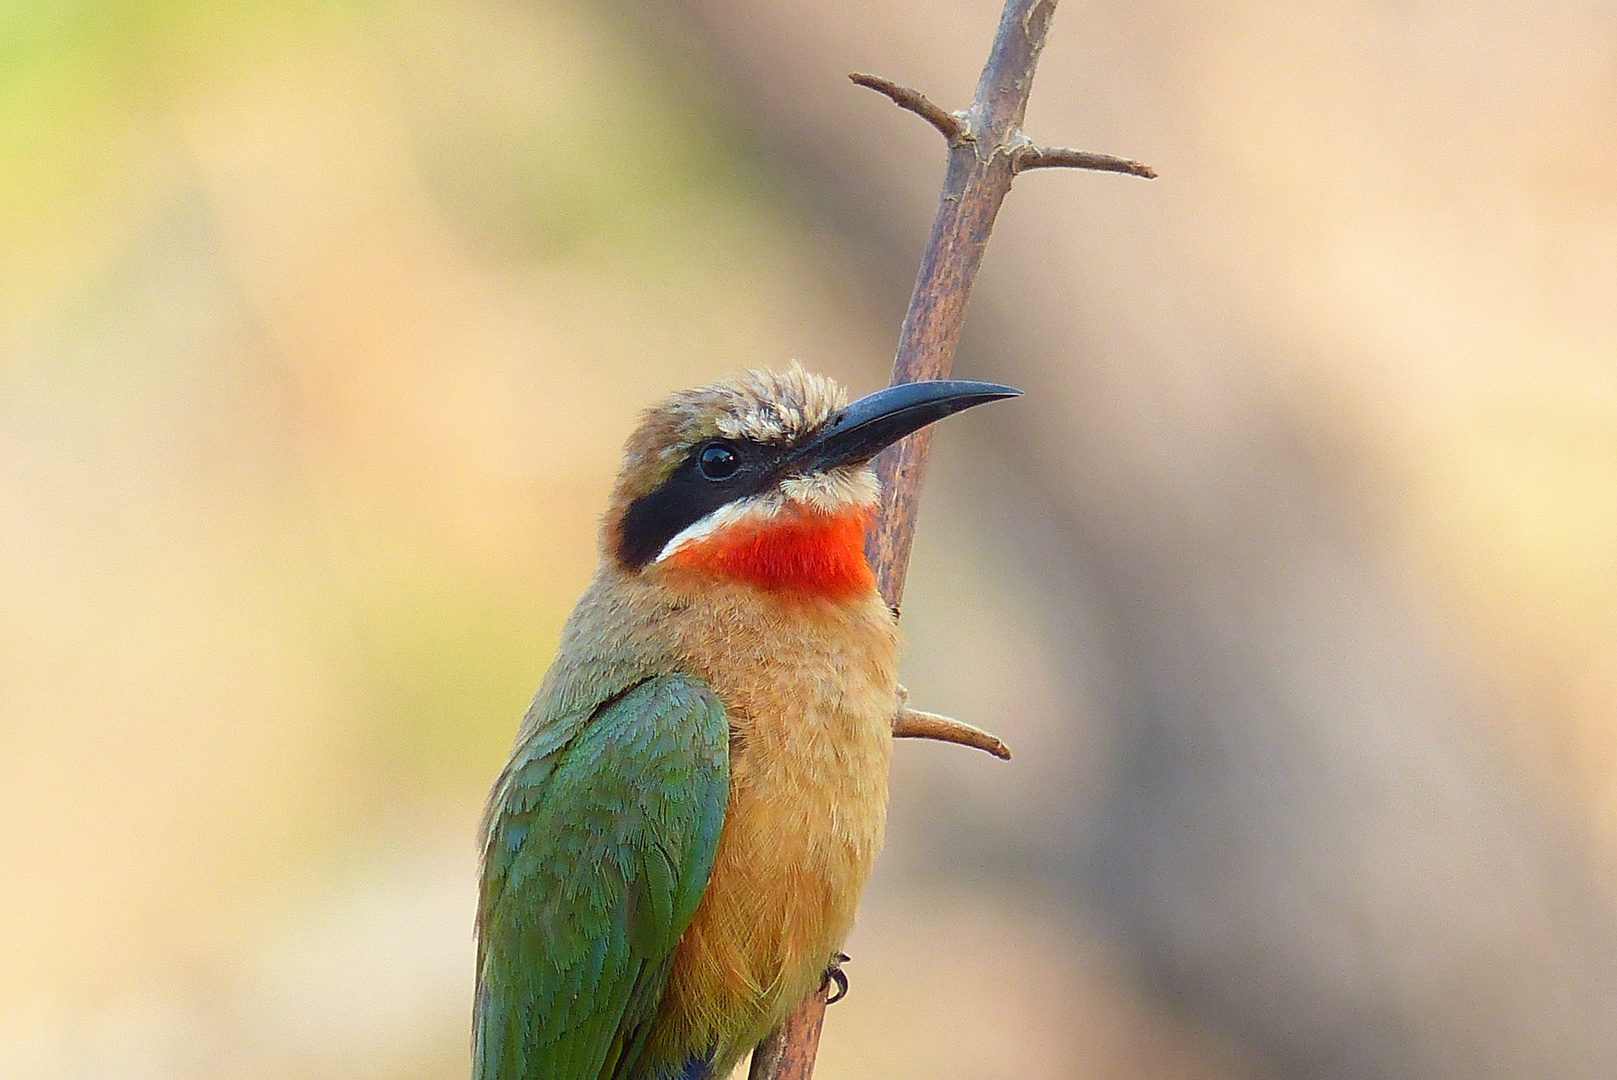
718	462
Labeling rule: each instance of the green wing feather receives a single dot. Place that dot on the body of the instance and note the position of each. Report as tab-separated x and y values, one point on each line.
600	840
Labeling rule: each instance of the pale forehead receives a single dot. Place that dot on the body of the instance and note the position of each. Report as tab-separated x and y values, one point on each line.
763	406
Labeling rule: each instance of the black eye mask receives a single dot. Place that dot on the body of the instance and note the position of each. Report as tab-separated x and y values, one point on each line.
712	475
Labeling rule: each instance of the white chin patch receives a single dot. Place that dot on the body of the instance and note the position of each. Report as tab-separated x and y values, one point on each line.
847	487
844	488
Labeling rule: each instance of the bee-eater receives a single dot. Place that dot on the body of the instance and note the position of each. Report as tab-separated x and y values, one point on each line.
673	854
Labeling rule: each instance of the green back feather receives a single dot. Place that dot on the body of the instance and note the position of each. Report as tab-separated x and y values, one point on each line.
600	841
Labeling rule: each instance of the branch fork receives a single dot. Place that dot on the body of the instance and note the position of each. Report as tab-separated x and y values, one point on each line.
956	129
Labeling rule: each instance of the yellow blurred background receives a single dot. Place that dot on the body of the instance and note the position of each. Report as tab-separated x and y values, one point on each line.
1292	581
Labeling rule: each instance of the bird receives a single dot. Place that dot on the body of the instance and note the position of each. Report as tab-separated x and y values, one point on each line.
673	854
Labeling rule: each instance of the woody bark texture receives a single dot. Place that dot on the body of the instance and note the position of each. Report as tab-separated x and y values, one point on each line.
981	167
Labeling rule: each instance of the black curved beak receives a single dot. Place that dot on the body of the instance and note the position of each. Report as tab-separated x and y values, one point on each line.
862	430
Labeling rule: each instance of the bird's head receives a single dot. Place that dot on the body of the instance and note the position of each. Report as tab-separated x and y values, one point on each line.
766	478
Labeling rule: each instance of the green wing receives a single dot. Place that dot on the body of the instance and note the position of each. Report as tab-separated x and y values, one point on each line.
600	841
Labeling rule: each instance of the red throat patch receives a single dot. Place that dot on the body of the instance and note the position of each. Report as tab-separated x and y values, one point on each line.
806	552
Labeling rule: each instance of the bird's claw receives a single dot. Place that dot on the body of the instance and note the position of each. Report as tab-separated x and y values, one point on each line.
836	977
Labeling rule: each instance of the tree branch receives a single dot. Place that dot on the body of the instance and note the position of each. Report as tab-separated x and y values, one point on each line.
986	150
981	167
787	1053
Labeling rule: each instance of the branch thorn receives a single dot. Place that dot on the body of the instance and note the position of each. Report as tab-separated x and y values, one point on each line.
1056	157
948	125
914	724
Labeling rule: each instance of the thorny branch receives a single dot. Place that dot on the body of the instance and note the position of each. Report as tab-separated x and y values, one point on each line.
986	150
1024	157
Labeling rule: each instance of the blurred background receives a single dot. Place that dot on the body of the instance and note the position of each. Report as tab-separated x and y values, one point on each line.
1292	581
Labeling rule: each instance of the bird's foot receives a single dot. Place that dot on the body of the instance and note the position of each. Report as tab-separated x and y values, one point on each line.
836	978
